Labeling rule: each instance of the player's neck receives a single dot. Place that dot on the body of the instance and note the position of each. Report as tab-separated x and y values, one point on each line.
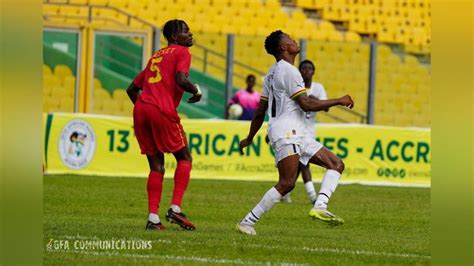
173	43
287	57
307	83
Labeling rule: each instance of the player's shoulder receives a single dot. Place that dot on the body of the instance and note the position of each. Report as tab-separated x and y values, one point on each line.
170	50
317	85
284	69
179	47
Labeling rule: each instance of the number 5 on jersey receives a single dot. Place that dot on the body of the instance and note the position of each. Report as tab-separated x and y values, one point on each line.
154	68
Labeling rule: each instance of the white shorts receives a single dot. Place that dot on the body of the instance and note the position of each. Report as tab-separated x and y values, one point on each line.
304	147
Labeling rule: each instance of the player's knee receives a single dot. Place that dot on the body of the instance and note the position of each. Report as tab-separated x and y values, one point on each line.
158	168
339	166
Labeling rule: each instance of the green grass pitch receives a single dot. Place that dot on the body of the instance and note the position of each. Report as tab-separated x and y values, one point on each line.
384	225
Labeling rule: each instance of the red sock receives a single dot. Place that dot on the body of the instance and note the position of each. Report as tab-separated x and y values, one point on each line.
181	181
154	188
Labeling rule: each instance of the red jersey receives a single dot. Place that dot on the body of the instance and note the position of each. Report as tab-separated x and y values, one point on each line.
157	80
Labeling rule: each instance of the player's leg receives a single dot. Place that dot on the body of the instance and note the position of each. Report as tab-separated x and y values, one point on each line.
287	197
335	167
308	183
181	177
154	190
142	124
181	180
287	170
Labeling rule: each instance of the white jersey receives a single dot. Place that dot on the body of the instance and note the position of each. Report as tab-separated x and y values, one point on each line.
316	90
282	84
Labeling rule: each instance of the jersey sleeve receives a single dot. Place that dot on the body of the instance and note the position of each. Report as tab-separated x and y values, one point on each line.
138	81
294	83
184	61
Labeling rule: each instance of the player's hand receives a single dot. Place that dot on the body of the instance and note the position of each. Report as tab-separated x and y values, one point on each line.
346	101
195	98
244	143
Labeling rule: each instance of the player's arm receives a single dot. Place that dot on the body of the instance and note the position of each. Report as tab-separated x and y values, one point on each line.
310	104
187	86
255	125
133	91
312	96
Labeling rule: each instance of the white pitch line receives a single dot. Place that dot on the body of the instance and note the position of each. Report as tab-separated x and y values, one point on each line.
364	252
346	251
169	257
310	249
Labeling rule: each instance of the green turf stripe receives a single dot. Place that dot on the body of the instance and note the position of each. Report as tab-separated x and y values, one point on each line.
49	121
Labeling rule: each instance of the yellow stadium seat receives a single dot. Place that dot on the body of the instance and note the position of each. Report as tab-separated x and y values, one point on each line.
81	2
69	83
97	104
50	104
335	36
127	108
110	107
97	84
298	16
272	5
50	9
60	92
47	90
66	104
120	94
202	2
61	71
47	70
99	2
68	10
350	36
101	94
51	81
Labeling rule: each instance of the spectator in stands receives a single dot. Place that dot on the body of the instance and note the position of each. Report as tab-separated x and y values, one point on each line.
247	98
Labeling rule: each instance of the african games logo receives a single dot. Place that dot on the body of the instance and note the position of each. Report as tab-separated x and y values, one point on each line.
77	144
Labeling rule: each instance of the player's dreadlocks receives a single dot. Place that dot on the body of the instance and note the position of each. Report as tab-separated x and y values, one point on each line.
171	27
272	43
306	62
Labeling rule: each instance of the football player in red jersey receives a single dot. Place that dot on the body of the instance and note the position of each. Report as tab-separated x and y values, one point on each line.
156	93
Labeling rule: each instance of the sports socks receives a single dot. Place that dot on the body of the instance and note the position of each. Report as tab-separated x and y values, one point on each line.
328	186
181	181
154	188
176	208
269	199
310	190
153	217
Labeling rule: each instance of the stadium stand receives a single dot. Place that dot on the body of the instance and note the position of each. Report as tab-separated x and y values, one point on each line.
405	22
341	57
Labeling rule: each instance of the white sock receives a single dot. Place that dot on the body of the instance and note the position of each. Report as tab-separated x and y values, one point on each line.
176	208
269	199
286	198
310	190
153	217
328	186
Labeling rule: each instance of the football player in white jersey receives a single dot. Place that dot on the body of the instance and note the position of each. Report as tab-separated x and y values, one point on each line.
285	98
316	90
